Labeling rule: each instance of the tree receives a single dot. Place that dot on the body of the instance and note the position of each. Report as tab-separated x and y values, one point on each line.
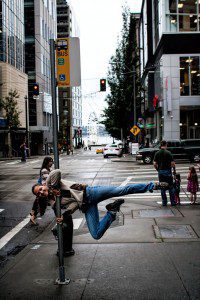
121	78
10	106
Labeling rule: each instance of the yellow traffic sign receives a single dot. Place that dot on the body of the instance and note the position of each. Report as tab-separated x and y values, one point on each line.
63	62
135	130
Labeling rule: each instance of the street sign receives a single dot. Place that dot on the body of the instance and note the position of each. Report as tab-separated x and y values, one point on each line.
62	77
134	148
135	130
68	62
63	63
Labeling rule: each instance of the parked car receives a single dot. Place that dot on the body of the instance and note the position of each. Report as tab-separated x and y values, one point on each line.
180	149
113	150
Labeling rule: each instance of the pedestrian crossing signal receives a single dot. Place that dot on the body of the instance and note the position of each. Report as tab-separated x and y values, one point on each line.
102	85
35	89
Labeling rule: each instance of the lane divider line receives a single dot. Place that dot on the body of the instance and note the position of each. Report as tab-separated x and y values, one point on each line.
13	162
6	238
128	179
77	222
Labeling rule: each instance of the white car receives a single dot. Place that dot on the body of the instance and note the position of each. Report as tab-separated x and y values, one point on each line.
112	150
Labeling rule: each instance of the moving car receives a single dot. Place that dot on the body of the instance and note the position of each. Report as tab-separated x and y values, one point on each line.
113	150
180	149
99	150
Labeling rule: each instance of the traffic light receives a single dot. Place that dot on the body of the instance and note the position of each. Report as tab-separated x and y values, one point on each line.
102	85
35	89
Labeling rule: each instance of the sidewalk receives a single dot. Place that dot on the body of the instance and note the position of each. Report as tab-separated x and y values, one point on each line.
151	253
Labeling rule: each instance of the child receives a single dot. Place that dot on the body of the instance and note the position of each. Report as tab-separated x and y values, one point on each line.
177	184
193	185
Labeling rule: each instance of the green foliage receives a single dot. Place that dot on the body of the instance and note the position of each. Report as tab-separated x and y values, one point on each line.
9	105
121	78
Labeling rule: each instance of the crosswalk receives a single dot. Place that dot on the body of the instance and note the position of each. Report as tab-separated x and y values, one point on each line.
124	176
32	162
119	174
7	237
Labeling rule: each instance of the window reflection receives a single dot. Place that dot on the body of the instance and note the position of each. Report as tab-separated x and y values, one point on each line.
173	23
185	13
195	78
172	6
189	76
187	23
187	6
184	76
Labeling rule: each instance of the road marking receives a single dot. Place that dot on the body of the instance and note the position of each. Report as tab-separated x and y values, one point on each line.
1	209
126	181
13	162
34	161
6	238
77	222
182	202
147	196
2	161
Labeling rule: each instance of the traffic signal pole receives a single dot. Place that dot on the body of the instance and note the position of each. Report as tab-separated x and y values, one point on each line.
61	280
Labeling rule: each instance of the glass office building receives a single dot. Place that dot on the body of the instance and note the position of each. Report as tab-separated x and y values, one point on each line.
12	69
12	33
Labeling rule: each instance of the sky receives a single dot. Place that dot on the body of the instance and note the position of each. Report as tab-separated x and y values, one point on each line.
100	24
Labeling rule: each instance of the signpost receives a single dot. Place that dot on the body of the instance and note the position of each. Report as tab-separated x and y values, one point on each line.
63	63
68	62
68	74
61	280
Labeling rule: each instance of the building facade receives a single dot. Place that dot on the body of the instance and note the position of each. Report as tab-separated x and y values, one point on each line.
70	99
170	67
40	26
12	71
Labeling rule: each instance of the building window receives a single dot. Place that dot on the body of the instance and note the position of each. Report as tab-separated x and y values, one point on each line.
190	76
182	15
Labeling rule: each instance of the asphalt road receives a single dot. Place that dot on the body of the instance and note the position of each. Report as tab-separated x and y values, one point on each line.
16	199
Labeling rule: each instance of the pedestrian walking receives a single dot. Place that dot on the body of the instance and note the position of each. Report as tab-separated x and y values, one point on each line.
23	149
163	163
72	149
193	184
86	198
177	187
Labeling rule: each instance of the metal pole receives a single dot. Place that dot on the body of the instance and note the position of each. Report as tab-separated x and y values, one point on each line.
61	279
54	105
134	98
122	135
27	124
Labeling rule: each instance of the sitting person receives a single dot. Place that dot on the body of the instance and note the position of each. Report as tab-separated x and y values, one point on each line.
86	198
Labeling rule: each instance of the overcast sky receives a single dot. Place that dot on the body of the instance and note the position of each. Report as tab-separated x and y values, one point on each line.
100	23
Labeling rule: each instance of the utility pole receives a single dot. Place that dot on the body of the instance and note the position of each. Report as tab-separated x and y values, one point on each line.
61	280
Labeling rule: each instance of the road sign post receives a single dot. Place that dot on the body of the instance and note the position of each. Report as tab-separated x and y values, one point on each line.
61	280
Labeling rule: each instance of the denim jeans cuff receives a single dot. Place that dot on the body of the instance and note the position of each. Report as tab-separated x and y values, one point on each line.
112	214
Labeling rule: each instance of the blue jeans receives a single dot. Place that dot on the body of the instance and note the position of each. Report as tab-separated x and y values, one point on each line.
166	176
96	194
